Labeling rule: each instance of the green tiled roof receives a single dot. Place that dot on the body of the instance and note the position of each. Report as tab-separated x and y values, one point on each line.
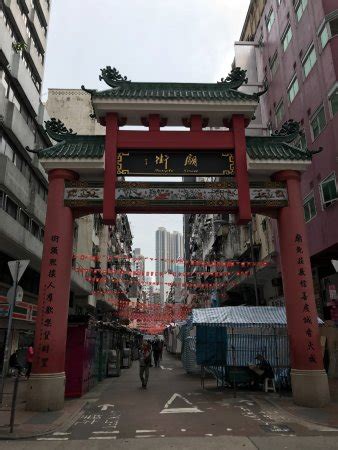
76	146
225	90
92	147
204	92
263	148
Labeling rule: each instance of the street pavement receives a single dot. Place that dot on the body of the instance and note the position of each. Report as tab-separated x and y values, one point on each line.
175	412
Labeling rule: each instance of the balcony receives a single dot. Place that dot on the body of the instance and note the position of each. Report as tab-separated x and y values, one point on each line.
15	12
6	41
44	9
34	57
21	75
19	243
14	181
33	17
16	123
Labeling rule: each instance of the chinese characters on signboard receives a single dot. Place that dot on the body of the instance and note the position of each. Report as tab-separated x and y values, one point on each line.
304	298
206	163
46	329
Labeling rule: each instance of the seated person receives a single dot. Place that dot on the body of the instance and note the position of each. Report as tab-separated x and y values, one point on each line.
261	370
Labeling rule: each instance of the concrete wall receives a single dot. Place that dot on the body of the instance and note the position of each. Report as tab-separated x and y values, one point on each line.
73	107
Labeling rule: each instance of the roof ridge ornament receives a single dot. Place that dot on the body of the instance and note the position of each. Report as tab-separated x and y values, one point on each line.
57	129
112	77
236	78
289	132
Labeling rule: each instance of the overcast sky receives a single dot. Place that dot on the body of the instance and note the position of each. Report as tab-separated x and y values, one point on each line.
147	40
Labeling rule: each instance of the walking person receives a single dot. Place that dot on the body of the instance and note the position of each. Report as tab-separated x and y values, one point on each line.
29	360
157	352
145	362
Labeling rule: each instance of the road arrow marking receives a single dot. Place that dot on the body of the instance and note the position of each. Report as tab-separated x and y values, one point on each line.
190	409
105	407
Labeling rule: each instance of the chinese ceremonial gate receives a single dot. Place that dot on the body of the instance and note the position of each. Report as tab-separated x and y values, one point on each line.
257	175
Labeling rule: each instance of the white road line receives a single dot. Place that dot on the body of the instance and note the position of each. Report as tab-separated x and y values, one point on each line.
102	437
180	410
52	439
60	433
208	435
229	429
105	432
145	435
146	431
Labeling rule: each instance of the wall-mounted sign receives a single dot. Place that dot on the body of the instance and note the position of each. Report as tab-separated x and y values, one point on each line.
176	163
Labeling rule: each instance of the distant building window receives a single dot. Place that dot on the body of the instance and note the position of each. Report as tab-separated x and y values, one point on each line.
299	8
333	98
287	36
274	63
309	60
293	88
318	122
328	190
270	18
324	36
329	30
279	112
309	207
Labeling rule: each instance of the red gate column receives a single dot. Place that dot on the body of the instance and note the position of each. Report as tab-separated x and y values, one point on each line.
110	176
242	178
308	377
47	382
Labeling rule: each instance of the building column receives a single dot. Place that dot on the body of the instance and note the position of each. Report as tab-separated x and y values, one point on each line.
45	390
308	377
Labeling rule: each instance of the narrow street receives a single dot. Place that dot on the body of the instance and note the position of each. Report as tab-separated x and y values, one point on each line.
176	412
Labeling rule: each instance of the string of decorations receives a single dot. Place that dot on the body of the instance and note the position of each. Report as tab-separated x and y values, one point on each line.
136	273
191	262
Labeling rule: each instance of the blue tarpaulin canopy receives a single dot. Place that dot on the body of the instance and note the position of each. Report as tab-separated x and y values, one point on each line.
241	316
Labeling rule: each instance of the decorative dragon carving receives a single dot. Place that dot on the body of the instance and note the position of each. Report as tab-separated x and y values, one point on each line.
291	127
236	78
112	76
57	129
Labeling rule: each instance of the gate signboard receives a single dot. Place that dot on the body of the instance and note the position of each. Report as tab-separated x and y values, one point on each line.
176	163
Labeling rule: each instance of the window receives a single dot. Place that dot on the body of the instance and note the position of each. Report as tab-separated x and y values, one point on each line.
274	63
11	208
299	8
35	229
309	207
279	112
318	122
270	18
333	99
287	36
309	60
24	219
260	41
293	88
324	36
328	190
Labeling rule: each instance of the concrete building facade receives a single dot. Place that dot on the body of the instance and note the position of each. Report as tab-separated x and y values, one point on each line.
23	182
292	46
